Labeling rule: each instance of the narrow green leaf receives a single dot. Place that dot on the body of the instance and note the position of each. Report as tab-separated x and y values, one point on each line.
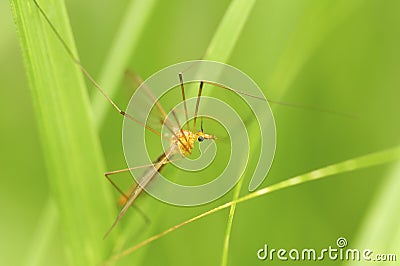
42	235
228	230
220	49
286	70
380	231
123	46
228	31
70	144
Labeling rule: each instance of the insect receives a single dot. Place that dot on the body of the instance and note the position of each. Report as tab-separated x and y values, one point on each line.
182	137
182	142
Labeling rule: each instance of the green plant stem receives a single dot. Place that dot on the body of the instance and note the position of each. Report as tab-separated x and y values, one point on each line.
220	49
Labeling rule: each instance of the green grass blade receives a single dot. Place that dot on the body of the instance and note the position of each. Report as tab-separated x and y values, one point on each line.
228	230
220	49
70	144
43	234
124	44
380	230
286	70
307	38
228	31
369	160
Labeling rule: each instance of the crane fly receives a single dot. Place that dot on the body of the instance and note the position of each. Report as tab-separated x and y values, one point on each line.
182	137
182	140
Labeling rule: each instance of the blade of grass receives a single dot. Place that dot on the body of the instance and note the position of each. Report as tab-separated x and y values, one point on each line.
220	49
309	47
380	230
228	31
70	144
42	235
236	194
369	160
124	44
307	38
225	249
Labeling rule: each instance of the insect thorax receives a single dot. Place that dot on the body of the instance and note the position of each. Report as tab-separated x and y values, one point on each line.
184	141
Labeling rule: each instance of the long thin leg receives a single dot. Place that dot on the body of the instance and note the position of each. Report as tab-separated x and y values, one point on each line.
180	141
147	177
125	197
88	75
134	187
197	104
164	116
107	175
135	77
179	125
184	98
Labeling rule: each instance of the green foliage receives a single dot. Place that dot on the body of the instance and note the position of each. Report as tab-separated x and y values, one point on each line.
71	149
336	55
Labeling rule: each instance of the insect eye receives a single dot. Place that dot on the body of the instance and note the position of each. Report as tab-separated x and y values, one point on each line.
201	138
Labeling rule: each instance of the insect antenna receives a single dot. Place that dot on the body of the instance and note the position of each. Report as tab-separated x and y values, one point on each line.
184	98
197	104
293	105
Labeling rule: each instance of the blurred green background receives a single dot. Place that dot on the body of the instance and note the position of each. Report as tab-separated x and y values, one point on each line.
337	55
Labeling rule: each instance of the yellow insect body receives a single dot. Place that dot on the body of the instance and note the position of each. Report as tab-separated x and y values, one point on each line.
185	140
